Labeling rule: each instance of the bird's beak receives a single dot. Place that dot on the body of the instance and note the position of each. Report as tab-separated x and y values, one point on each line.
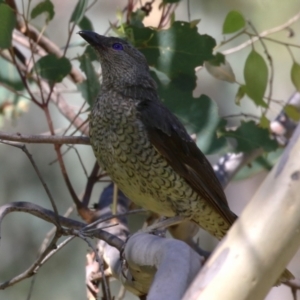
91	37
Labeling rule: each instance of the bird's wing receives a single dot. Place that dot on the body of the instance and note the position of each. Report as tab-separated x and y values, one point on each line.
170	138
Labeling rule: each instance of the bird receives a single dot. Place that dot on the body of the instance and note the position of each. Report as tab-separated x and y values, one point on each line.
144	147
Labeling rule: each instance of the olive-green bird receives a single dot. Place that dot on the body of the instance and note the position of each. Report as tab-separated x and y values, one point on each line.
144	147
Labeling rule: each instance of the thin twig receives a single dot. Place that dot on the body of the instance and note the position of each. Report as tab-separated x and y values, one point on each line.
132	212
45	139
107	293
49	216
75	117
115	199
92	179
24	149
270	60
24	79
32	269
188	10
263	34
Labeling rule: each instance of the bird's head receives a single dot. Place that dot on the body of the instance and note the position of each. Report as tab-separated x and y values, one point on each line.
122	64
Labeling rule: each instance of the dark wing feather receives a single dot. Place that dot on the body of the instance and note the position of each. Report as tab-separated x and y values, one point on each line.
170	138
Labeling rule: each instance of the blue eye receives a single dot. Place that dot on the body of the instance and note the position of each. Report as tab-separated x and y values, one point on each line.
117	46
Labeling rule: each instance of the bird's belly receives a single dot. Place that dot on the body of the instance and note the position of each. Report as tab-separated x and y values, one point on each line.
139	177
140	171
142	195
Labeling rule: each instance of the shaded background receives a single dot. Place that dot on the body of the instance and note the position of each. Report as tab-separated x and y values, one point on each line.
63	276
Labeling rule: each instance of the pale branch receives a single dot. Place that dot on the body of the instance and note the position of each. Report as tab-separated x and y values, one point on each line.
45	139
244	265
154	262
263	34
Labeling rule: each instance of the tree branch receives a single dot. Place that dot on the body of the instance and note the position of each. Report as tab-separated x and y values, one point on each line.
263	34
261	242
45	139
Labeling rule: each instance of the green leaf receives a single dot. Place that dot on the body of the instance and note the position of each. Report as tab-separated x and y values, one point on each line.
240	94
7	25
292	112
52	68
234	21
173	51
89	88
43	7
85	24
295	75
264	122
250	137
199	115
256	77
79	11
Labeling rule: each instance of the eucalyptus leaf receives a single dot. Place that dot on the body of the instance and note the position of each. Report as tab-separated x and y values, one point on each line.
264	122
240	94
43	7
86	24
173	51
52	68
295	75
256	77
234	21
7	25
292	112
79	11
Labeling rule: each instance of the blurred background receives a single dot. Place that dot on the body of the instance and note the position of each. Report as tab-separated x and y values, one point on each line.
63	276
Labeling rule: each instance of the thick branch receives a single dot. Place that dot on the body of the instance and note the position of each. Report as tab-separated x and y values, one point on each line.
262	241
